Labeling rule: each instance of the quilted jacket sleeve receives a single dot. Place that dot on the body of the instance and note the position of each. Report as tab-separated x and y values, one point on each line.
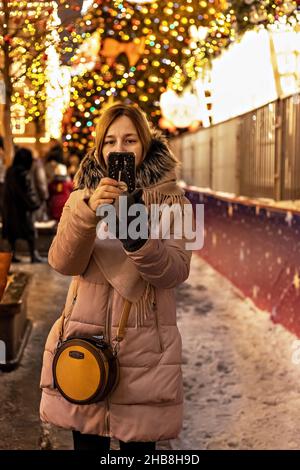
73	244
164	263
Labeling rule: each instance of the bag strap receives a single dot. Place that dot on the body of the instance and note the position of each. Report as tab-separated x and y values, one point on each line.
122	323
63	316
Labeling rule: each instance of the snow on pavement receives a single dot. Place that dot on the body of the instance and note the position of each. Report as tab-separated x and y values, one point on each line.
242	388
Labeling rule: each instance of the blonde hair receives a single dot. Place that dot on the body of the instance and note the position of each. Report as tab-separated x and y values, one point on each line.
137	117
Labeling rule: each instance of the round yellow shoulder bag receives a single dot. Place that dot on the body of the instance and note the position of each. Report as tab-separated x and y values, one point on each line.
86	369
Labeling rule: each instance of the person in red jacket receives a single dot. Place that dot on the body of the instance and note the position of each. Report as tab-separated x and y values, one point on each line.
60	189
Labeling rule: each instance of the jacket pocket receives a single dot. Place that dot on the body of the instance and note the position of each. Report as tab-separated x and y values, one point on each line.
158	385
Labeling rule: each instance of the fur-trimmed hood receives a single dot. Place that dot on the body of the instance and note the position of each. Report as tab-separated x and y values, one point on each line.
158	165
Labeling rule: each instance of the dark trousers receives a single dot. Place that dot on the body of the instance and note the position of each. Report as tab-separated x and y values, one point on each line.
31	245
102	444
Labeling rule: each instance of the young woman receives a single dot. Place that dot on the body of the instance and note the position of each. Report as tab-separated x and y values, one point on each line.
147	404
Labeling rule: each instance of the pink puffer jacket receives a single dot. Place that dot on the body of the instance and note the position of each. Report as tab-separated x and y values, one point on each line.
147	404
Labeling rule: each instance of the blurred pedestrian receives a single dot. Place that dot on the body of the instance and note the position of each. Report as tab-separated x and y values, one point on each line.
2	174
73	164
40	182
19	203
60	189
54	157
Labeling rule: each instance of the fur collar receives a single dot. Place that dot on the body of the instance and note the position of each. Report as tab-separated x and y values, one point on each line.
158	164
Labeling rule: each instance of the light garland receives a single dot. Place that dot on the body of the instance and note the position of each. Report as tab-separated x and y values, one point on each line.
166	46
153	47
31	29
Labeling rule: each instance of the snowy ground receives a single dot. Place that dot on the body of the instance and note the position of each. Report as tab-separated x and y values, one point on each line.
242	389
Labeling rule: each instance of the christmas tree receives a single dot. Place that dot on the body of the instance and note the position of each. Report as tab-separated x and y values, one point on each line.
143	49
147	47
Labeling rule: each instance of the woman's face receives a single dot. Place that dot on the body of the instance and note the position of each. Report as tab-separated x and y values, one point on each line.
122	136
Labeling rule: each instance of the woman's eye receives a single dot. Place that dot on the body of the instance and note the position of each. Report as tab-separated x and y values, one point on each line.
110	142
131	141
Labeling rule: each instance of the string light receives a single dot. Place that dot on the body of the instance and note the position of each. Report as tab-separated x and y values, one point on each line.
164	40
145	49
30	31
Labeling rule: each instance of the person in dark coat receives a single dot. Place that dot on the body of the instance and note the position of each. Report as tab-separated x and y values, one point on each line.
40	183
19	203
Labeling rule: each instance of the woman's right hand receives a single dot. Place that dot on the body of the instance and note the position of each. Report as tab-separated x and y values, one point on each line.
105	193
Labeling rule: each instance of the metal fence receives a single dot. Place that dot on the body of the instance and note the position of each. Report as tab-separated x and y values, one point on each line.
256	144
255	155
290	147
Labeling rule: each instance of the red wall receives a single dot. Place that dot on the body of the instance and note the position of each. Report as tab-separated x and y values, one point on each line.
258	249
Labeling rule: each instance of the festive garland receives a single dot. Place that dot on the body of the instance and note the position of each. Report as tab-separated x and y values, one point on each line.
147	48
251	13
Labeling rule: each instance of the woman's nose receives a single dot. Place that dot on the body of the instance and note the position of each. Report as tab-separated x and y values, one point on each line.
120	146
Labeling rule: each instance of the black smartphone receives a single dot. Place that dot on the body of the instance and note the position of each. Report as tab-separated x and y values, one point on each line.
121	167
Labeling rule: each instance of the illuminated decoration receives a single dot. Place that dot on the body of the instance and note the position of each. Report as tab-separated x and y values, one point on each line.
206	43
140	1
2	92
198	34
183	110
29	23
187	109
57	86
230	23
20	42
27	30
37	79
141	48
251	85
128	50
57	92
87	55
31	140
25	34
18	119
251	13
133	50
285	55
86	5
269	68
202	88
147	48
267	54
